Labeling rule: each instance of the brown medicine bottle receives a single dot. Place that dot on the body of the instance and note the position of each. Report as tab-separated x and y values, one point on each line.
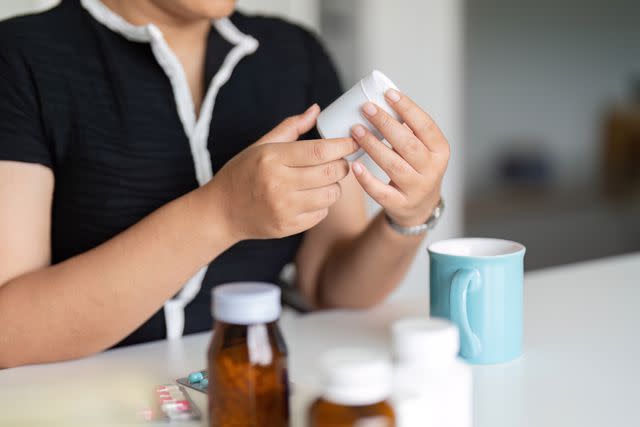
357	384
248	385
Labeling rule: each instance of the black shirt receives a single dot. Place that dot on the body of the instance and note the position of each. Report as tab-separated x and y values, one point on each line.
98	109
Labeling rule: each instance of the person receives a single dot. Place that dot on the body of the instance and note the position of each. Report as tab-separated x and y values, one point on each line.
153	149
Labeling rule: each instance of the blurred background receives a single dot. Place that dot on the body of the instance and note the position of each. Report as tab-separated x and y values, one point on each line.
540	100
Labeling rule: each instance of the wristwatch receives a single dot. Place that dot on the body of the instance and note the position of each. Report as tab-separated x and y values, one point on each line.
422	228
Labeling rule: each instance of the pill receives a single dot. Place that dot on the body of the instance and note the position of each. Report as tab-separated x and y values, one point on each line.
195	377
179	405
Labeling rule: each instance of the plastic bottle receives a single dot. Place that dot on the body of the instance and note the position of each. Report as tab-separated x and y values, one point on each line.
337	119
356	386
248	383
433	387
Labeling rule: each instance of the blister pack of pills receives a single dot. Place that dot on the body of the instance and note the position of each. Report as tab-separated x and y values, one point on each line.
198	380
172	403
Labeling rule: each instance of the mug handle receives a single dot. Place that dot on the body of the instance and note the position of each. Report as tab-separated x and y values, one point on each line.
464	278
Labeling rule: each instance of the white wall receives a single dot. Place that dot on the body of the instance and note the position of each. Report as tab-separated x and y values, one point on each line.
305	12
545	69
418	43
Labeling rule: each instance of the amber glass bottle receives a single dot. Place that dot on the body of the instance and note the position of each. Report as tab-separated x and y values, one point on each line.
357	384
248	383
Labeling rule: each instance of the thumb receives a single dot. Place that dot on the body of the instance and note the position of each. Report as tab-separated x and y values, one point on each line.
291	128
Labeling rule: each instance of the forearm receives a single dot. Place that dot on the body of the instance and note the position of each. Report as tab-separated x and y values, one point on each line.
361	272
93	300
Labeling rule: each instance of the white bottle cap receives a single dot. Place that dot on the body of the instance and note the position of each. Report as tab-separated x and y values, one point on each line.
246	303
426	342
375	85
354	376
337	119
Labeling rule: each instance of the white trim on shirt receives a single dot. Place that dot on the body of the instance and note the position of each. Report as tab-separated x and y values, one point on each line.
196	129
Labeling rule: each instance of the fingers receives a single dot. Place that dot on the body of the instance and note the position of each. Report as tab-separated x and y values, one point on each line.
291	128
316	151
382	193
422	125
317	198
320	175
401	172
401	138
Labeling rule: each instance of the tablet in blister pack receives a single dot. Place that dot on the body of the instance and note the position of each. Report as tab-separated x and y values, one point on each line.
198	380
171	403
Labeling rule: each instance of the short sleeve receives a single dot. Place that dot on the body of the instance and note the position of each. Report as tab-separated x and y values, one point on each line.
22	137
325	84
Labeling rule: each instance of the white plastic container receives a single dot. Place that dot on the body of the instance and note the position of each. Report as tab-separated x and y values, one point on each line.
357	385
433	387
337	119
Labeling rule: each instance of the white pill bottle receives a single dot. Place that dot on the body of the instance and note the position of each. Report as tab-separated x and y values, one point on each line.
433	387
341	115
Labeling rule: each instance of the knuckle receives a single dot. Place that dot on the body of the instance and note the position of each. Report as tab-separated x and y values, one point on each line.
318	151
273	205
266	157
404	105
330	171
415	148
330	195
290	121
382	197
398	167
427	127
280	227
386	121
272	187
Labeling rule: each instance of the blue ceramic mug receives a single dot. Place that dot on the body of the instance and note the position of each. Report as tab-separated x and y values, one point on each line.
477	284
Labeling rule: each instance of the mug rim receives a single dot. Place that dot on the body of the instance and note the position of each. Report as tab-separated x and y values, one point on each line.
519	248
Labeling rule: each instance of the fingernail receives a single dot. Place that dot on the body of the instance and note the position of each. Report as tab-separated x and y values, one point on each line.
310	109
357	168
393	95
358	131
369	109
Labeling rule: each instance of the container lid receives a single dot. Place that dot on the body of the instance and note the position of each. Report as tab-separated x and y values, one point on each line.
429	342
354	376
374	86
246	303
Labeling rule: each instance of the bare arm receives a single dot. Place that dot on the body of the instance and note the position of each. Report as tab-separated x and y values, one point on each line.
90	301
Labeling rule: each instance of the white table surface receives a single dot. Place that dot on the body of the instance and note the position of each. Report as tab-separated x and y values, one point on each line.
580	366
